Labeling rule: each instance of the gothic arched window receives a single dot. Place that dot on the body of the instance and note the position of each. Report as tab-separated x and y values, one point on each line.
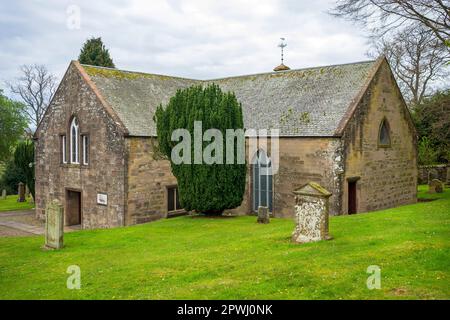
384	135
74	144
262	181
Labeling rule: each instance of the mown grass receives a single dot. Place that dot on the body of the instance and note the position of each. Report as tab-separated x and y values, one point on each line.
236	258
11	204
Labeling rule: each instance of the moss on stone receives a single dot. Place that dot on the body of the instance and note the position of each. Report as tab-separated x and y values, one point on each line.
120	74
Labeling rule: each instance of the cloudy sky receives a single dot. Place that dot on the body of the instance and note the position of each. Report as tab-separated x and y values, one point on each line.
197	39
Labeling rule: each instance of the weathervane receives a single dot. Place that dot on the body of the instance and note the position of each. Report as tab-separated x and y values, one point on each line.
282	45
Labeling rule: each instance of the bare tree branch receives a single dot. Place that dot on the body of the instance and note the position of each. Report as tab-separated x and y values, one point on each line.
417	60
382	17
35	87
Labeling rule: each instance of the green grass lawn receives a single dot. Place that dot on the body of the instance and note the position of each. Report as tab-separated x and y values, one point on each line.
11	204
228	258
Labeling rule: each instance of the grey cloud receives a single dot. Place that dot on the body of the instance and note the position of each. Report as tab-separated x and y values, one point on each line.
198	39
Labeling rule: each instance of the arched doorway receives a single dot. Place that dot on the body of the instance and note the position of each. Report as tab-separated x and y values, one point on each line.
262	181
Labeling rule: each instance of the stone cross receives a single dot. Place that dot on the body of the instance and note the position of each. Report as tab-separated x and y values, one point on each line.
54	225
4	194
311	213
21	192
435	186
263	215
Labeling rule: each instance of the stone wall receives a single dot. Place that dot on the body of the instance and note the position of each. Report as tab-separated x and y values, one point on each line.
301	160
428	173
147	181
106	170
387	175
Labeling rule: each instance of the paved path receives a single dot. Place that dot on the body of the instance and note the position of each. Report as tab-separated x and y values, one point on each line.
23	227
24	223
16	213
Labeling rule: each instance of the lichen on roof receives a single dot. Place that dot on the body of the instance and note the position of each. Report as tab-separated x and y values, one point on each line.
302	102
121	74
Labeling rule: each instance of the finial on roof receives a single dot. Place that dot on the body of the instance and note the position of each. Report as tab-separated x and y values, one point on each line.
282	67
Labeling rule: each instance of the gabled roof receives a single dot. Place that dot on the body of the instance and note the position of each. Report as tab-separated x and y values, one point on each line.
303	102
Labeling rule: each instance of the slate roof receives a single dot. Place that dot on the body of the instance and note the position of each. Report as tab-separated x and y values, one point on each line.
303	102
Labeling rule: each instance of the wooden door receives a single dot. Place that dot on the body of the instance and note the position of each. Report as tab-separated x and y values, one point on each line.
352	201
73	208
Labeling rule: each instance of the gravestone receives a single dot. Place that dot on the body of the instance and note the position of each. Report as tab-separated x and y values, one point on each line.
4	194
21	192
435	186
54	225
447	182
263	215
311	213
27	192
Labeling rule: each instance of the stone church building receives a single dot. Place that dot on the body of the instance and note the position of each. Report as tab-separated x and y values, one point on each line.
345	127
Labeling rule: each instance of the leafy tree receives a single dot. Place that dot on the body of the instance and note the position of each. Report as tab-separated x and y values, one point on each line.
11	177
432	120
207	188
427	154
12	125
94	53
24	161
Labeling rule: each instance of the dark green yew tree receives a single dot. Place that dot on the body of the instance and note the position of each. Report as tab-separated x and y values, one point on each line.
24	161
207	188
94	53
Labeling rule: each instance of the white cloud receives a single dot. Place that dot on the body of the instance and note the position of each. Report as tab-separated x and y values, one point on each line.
197	39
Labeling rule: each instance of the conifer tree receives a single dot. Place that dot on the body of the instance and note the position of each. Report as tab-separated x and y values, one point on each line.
94	53
206	188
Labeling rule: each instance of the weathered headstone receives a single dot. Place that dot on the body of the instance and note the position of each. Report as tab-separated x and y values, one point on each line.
54	225
21	192
263	215
27	192
447	182
311	213
4	194
435	186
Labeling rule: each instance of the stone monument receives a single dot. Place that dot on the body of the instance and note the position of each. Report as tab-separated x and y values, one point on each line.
447	182
311	213
4	194
263	215
54	225
435	186
21	192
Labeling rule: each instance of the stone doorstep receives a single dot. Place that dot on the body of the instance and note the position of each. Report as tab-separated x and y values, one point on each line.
34	229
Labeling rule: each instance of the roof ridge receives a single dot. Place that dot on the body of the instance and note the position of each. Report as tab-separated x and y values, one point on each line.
138	72
232	77
295	70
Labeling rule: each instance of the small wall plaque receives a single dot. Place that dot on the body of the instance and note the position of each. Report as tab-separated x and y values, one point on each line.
102	199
